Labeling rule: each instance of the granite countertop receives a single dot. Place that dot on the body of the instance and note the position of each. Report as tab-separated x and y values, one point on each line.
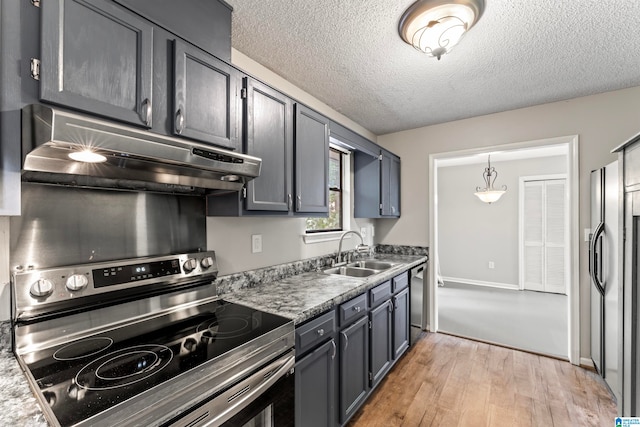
306	295
298	297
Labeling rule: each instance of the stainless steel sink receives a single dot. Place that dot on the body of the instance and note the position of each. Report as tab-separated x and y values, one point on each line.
351	271
371	264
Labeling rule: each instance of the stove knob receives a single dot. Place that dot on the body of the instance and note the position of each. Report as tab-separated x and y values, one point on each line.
206	262
189	265
190	344
77	282
41	288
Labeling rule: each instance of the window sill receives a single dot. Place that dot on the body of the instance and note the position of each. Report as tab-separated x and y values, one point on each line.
323	237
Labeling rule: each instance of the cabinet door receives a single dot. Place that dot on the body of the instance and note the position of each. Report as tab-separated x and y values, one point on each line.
97	57
315	389
366	185
205	97
401	325
390	185
268	130
354	367
381	341
312	161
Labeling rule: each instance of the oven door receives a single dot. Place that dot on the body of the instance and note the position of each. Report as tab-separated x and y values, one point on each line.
263	399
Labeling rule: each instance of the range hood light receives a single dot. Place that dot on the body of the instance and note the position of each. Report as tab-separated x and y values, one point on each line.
87	156
230	178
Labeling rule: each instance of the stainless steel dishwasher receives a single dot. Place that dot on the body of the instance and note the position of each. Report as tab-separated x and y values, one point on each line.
419	297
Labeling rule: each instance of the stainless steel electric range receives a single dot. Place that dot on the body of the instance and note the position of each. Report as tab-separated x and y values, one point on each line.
145	342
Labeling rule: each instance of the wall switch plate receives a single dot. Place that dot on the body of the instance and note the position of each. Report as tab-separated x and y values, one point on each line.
587	234
256	243
492	264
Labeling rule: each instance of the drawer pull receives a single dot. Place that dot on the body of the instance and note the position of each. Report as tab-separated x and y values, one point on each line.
357	309
320	332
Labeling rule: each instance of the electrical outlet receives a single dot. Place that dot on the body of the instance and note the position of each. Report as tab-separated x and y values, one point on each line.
492	264
587	234
363	233
373	231
256	243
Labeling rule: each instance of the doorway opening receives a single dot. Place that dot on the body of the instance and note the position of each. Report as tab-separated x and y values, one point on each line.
476	249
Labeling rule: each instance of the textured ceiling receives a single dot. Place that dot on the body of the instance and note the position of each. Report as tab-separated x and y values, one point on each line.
348	54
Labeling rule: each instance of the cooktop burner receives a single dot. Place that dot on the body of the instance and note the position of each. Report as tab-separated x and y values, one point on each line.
81	379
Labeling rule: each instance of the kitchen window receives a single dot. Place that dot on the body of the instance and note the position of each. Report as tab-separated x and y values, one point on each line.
334	222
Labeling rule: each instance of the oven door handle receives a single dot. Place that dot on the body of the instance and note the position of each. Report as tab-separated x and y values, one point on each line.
232	401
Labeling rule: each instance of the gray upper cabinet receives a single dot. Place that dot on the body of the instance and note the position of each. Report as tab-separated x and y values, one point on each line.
204	23
376	185
97	57
268	133
390	185
311	161
205	97
294	147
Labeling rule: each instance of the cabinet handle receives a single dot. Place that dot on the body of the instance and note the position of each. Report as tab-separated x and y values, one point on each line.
320	332
357	309
179	122
298	202
335	349
390	304
147	112
290	201
346	341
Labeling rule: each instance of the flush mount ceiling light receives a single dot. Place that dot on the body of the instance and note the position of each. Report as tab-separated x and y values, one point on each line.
488	194
436	26
87	156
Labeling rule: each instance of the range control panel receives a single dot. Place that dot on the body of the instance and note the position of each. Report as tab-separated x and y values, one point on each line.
40	287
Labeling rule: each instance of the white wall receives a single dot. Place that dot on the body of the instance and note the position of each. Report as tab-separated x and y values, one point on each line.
602	122
472	233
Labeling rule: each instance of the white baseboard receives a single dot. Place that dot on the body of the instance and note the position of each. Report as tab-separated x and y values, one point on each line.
481	283
586	362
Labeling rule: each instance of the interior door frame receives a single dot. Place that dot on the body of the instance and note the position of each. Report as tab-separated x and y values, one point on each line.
571	142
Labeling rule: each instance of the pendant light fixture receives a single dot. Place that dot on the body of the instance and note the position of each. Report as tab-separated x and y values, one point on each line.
488	194
436	26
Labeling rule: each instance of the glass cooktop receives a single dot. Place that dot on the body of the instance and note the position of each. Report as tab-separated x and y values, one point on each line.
82	378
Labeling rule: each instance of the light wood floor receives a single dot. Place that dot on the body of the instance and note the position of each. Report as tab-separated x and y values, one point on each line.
449	381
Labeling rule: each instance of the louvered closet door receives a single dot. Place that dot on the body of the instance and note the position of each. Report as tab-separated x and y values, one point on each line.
544	236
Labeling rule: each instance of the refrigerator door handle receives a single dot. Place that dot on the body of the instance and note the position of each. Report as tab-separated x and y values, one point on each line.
593	259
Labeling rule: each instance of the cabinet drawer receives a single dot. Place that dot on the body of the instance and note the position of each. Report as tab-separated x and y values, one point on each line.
400	282
315	331
353	309
380	293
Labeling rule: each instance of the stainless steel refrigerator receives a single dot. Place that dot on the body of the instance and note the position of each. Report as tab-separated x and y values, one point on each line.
606	283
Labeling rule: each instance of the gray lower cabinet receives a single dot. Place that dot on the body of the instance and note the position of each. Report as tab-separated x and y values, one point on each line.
97	57
354	367
335	374
381	341
205	97
401	325
315	382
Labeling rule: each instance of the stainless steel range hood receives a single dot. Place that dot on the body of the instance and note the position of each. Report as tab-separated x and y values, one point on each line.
132	158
